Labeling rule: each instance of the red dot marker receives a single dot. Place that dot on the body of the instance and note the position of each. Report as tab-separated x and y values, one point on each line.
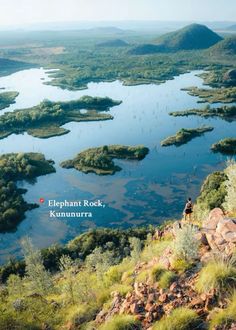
41	200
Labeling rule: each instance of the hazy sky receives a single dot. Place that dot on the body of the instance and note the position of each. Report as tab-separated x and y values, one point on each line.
15	12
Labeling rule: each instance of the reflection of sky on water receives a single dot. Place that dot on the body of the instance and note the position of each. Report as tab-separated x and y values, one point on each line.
144	192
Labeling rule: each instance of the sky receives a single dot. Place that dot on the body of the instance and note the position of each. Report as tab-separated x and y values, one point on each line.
20	12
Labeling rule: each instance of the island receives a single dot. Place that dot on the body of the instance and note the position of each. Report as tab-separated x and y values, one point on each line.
45	120
225	146
185	135
100	160
214	95
7	98
225	112
16	167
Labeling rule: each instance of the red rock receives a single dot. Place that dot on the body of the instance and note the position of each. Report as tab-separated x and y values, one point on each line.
173	287
163	298
148	307
134	308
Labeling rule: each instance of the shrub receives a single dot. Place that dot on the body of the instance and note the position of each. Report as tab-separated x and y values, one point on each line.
156	273
143	276
218	274
123	289
230	199
212	194
136	248
39	278
185	244
181	265
166	279
113	275
180	319
122	322
225	317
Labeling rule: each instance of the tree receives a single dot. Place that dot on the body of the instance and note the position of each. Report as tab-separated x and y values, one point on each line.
136	248
67	268
39	278
230	185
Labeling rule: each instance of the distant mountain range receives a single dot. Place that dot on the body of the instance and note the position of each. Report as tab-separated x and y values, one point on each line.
232	28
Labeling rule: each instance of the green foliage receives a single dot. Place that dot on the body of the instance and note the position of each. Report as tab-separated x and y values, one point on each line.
194	36
67	269
181	265
136	248
225	47
219	275
230	186
100	160
225	112
179	319
185	135
163	277
100	261
186	244
7	98
39	279
166	279
47	115
213	194
14	167
225	146
214	95
15	286
113	240
156	273
224	318
122	322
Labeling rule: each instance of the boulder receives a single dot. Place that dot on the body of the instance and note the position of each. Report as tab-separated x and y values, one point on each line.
220	232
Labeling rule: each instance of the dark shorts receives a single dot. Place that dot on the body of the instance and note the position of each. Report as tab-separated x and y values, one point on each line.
188	211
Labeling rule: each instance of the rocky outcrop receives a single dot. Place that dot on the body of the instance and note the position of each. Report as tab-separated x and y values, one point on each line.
149	303
220	232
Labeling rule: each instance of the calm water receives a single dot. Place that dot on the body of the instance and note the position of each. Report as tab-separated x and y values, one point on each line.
145	192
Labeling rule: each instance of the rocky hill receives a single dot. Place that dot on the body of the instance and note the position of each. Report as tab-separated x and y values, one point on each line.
194	36
225	47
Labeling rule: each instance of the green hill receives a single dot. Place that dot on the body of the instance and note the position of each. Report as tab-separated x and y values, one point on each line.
225	47
194	36
113	43
145	49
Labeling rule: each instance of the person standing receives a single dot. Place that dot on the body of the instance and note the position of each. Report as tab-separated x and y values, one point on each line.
188	209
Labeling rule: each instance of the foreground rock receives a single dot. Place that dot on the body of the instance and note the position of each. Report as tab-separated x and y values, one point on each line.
220	232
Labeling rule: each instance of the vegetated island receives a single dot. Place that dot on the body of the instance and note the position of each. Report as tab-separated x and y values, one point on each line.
45	120
100	160
185	135
7	98
215	95
225	146
15	167
224	112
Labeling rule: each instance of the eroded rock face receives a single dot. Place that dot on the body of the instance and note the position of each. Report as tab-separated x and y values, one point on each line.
220	232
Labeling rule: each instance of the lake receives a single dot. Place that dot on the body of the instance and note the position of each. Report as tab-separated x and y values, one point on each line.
145	192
